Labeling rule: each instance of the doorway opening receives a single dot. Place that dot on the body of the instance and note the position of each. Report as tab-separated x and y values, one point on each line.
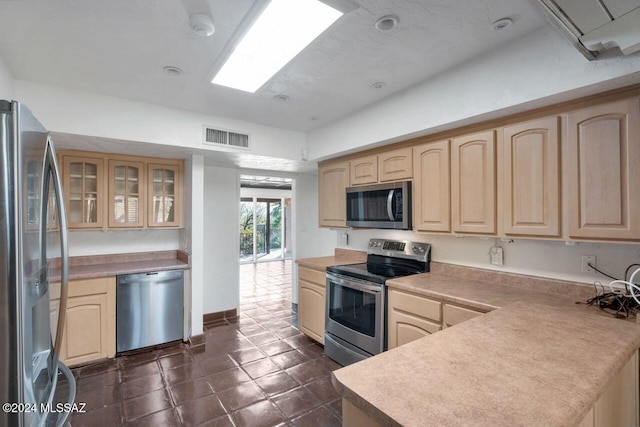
265	218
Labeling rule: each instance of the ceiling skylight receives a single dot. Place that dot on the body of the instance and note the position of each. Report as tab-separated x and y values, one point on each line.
283	29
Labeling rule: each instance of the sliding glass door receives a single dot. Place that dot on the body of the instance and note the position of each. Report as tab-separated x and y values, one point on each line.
262	230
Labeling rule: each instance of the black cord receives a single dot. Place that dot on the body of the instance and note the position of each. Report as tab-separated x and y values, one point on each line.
629	268
604	274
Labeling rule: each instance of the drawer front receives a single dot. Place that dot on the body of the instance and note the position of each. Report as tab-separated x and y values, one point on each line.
454	314
415	304
310	275
405	327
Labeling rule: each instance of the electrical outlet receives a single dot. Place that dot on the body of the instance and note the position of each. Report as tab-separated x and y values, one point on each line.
496	255
586	260
344	239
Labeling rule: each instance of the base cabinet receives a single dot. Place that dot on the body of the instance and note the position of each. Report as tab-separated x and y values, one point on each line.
452	315
410	317
618	405
312	303
90	327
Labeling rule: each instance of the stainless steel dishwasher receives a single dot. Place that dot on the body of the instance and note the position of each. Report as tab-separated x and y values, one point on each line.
149	309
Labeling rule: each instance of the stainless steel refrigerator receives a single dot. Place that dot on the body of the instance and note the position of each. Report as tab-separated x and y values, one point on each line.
33	233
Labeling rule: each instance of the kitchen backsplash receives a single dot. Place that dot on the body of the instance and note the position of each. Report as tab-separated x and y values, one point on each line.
531	257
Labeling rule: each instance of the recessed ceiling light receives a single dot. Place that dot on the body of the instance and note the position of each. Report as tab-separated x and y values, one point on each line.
284	28
386	23
502	24
378	85
202	25
313	118
281	98
172	71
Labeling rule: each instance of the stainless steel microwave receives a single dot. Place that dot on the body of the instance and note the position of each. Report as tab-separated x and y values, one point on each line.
380	206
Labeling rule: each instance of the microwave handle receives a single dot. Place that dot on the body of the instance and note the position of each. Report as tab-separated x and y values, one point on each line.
392	217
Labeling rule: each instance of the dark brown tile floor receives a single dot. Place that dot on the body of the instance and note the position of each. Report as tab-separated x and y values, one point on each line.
255	370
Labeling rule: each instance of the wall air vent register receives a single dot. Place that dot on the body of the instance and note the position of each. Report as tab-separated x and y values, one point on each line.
226	139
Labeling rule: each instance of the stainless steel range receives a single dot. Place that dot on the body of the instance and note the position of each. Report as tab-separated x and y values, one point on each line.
357	298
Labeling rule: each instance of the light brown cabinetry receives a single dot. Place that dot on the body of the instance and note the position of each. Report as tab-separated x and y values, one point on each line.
90	327
312	303
129	191
453	314
333	180
164	204
531	178
126	194
394	165
364	170
83	181
473	183
602	171
618	405
411	317
431	200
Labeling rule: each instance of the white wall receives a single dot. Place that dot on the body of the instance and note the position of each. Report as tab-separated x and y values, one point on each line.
122	241
265	193
531	257
309	239
221	239
6	81
529	70
82	113
194	239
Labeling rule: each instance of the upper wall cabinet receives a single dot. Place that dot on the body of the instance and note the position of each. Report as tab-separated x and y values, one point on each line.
395	165
431	201
126	194
115	187
473	183
603	171
531	178
83	181
164	203
333	180
364	170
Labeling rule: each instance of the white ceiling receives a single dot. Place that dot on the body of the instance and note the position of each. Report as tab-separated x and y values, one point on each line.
119	47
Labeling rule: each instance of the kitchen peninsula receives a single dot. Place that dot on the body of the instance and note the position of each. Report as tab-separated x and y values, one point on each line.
549	362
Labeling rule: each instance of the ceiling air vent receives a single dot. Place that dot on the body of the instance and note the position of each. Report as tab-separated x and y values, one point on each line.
225	139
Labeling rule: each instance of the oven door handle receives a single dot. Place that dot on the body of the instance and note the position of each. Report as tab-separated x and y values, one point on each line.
354	284
392	217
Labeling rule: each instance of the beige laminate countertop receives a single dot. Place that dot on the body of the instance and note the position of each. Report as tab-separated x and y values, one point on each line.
341	257
536	359
524	364
89	267
483	296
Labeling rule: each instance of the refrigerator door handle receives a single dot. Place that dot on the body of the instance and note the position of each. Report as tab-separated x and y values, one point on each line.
52	170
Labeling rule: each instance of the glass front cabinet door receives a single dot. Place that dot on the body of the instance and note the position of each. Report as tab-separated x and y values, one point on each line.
164	188
83	180
126	194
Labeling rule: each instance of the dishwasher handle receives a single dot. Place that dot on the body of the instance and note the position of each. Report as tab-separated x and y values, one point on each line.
155	276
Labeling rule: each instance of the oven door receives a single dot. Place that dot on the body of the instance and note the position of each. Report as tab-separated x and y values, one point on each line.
355	312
